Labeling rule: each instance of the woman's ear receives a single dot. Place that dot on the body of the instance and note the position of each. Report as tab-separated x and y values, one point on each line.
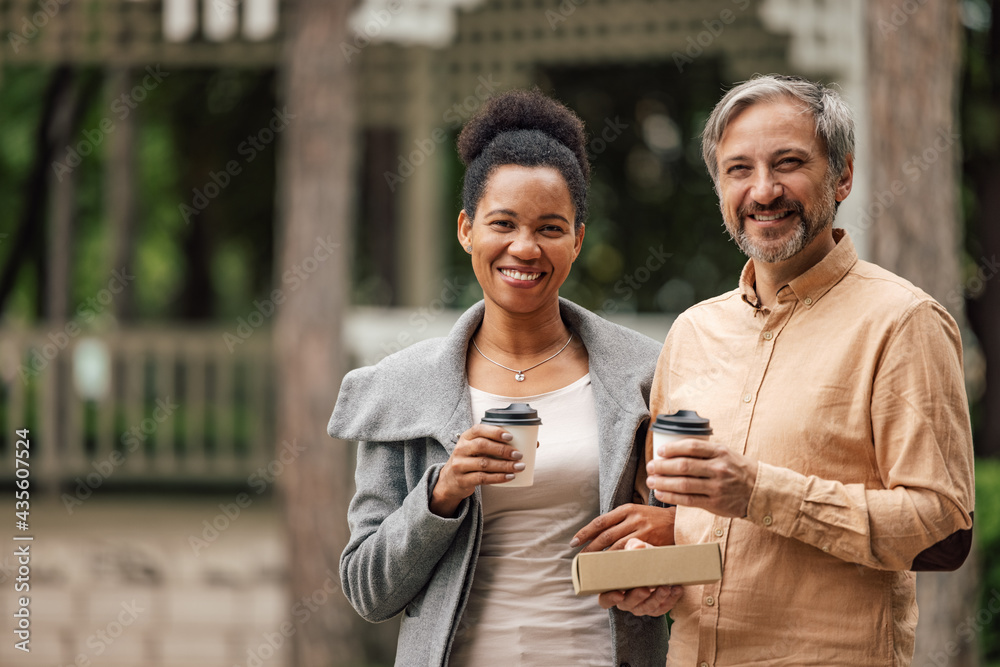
578	242
465	230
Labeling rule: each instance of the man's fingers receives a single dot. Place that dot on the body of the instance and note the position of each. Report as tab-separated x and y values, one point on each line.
661	601
691	447
652	602
636	600
681	499
688	486
683	466
624	600
610	599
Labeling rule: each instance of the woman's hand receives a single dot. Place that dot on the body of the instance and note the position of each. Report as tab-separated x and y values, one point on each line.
614	529
482	456
655	601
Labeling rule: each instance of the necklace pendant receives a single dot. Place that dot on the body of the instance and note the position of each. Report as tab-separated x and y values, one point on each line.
519	377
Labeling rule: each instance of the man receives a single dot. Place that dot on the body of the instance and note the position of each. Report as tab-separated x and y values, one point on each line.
841	458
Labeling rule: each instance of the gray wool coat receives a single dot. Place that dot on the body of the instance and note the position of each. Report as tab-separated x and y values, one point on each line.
407	413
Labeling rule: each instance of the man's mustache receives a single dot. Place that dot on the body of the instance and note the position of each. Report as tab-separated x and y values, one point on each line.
782	204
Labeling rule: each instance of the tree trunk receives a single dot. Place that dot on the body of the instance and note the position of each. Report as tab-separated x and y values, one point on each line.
27	240
314	203
120	188
913	67
912	81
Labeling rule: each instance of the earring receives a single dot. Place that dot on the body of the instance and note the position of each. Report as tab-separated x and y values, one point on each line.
468	248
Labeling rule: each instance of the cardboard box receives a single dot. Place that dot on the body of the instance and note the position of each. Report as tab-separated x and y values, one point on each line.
602	571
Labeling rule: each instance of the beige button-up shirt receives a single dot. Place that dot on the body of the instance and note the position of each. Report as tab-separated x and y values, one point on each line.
850	394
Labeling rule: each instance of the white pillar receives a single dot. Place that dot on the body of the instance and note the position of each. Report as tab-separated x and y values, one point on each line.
828	41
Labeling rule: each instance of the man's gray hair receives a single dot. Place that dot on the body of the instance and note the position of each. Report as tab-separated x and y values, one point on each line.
834	119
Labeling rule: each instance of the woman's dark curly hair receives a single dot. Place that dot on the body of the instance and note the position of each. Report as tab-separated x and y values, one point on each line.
526	128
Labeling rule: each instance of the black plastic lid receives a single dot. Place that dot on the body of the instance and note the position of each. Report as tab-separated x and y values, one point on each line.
682	422
515	414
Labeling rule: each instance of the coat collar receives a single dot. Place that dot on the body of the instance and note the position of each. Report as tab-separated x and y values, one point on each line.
422	391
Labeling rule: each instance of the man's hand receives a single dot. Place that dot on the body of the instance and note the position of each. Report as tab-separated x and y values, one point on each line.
614	529
699	473
642	601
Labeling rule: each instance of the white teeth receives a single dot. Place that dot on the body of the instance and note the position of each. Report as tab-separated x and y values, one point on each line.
517	275
768	218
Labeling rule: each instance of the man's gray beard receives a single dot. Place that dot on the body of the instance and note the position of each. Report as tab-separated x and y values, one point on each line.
771	255
806	231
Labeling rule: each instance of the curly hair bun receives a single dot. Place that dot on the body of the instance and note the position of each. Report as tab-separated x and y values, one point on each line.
524	110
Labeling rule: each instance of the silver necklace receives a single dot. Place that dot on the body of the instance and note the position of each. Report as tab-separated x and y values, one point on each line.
519	375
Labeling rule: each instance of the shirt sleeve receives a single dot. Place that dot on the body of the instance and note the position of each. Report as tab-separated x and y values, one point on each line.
923	447
396	540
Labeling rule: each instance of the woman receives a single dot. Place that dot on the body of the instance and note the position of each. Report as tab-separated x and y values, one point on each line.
482	573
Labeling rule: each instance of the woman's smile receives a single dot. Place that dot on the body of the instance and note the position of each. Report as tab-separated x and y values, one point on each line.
521	277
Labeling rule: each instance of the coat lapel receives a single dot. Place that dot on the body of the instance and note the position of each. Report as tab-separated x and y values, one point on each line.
423	391
614	376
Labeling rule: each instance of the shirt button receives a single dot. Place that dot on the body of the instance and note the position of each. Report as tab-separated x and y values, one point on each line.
704	664
718	532
710	601
768	520
768	335
747	397
808	301
826	550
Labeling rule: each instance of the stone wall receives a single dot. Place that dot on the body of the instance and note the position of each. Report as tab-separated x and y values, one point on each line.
120	583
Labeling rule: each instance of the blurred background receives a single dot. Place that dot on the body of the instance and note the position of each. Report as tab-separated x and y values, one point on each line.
210	210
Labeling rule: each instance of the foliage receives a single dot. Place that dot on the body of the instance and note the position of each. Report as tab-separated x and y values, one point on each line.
979	112
987	532
188	127
21	93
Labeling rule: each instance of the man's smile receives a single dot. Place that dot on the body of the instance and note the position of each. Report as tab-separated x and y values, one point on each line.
763	217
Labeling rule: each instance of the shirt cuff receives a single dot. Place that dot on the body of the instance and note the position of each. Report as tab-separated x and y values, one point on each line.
776	500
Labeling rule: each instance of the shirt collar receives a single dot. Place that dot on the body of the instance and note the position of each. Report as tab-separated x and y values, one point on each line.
814	283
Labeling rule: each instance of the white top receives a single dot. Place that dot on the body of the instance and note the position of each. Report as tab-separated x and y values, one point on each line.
522	609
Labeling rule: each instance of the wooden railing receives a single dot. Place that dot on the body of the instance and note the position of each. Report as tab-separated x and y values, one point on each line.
137	405
172	404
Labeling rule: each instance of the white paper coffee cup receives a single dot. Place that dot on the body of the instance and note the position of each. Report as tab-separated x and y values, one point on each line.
522	422
525	441
681	425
